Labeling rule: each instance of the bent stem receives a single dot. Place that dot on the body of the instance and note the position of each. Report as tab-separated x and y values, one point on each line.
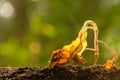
114	59
109	65
96	31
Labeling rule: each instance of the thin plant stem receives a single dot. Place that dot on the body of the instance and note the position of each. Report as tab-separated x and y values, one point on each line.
114	59
96	31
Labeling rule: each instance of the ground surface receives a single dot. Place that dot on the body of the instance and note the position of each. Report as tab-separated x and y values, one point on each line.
59	73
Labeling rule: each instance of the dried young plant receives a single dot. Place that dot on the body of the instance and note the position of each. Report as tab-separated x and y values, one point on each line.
74	50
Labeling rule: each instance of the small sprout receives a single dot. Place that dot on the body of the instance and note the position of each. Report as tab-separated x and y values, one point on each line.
74	50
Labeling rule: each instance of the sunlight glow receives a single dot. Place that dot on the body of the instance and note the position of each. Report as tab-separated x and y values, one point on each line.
6	10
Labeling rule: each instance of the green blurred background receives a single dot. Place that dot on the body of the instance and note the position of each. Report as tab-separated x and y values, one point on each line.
31	29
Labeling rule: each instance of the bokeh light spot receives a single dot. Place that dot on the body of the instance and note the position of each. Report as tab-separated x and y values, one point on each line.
48	30
34	47
6	10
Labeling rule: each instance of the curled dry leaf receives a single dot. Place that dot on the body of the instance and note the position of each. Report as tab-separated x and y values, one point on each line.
72	51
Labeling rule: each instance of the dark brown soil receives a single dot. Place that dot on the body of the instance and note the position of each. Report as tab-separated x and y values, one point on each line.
59	73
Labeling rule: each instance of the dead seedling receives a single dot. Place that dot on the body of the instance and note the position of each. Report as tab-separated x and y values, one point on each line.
74	50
